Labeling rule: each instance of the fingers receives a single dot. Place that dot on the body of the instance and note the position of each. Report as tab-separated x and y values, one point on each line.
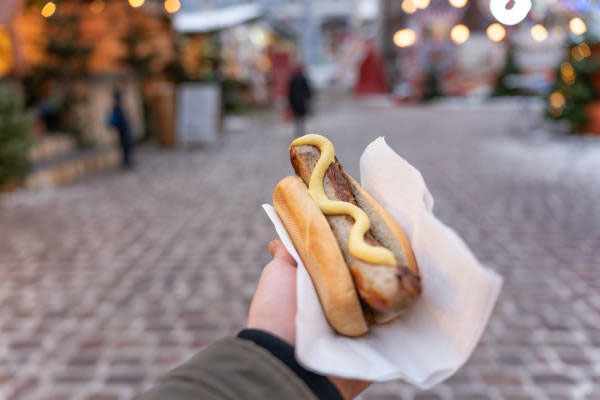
279	252
349	388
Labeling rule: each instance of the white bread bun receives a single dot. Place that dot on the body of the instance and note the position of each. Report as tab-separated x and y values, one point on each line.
317	246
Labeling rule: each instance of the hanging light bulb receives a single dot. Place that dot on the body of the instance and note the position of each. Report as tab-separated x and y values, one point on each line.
458	3
459	34
136	3
495	32
405	37
172	6
577	26
421	4
408	6
539	33
49	9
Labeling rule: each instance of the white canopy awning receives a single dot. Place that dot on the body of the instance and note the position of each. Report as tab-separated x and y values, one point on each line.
212	20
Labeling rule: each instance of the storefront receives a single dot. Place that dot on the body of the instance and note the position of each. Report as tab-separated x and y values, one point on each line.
236	46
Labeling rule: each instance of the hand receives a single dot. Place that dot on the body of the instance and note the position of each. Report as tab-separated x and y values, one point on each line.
273	308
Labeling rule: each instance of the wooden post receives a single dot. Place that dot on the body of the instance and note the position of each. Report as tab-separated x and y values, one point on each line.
18	57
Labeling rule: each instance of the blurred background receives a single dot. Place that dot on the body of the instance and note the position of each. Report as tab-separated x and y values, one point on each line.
138	139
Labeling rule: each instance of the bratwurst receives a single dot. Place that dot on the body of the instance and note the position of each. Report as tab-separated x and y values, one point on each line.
387	290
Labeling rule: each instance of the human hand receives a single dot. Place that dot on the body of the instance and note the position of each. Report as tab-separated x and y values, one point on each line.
273	308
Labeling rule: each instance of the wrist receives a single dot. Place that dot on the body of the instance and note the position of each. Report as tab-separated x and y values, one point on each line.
320	385
287	335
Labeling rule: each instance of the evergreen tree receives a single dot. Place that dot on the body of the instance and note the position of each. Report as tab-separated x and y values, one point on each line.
15	137
574	88
432	86
502	88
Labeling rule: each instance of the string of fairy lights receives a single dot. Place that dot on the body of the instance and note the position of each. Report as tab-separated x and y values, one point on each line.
97	6
407	37
506	12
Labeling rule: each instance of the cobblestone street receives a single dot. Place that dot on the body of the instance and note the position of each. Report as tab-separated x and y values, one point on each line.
109	282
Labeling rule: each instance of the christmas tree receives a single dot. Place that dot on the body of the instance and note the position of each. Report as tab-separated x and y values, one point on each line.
15	137
574	87
502	87
432	87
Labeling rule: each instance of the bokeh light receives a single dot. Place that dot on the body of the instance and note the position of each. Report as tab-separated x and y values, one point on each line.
405	38
458	3
136	3
48	10
408	6
567	73
495	32
577	26
539	33
581	51
97	6
557	100
421	4
172	6
459	34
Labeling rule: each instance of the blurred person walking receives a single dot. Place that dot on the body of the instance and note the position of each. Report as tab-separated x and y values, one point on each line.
299	94
119	121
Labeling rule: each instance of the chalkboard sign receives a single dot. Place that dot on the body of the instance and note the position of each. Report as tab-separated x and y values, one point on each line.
198	113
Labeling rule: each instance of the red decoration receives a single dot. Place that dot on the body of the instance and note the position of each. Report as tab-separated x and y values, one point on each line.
371	78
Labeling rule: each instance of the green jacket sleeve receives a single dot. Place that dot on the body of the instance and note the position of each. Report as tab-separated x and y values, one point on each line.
233	368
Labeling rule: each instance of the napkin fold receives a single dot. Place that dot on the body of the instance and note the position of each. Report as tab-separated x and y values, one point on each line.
438	334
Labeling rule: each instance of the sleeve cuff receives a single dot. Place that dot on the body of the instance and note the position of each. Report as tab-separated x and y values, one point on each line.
318	384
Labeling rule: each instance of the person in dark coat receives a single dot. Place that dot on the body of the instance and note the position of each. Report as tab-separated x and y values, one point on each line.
299	95
119	121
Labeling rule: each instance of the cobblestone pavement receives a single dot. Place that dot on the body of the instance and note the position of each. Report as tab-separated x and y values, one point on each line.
109	282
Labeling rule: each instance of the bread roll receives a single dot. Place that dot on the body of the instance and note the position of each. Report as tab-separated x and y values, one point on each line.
313	239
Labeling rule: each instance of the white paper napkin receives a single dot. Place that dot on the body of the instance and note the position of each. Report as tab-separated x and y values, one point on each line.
437	336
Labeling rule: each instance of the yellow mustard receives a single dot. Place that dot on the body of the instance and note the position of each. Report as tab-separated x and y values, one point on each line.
358	247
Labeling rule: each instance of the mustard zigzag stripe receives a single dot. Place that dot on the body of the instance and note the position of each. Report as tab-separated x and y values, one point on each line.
358	247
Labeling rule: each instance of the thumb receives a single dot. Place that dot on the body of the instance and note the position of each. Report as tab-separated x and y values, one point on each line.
279	252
